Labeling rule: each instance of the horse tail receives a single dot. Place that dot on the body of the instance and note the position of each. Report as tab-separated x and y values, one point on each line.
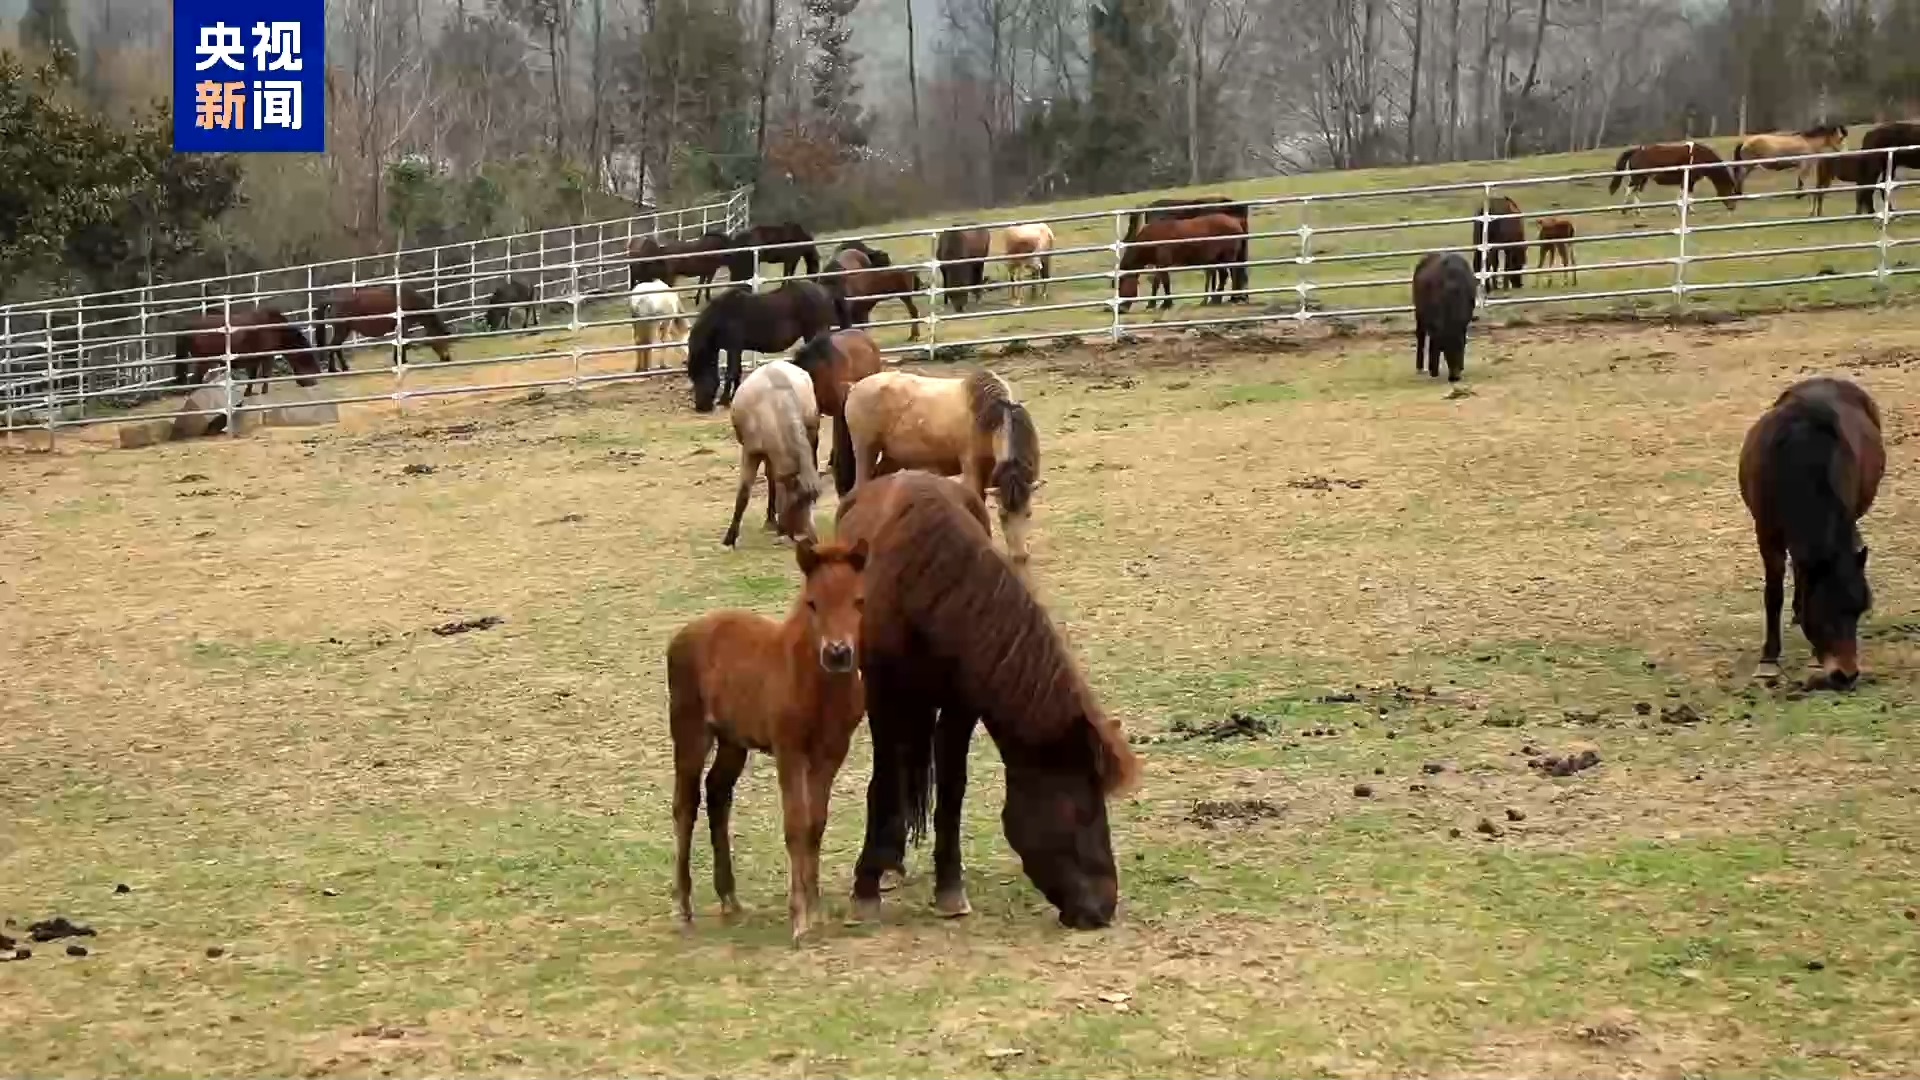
1619	169
1018	467
843	465
1133	226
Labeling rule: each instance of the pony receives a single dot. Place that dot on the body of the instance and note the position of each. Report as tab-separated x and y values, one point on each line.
655	309
1903	134
1818	139
875	256
701	258
958	252
1032	248
740	319
1211	241
1809	469
1444	289
970	427
1201	206
1847	169
506	296
1681	162
1504	236
369	311
258	334
776	421
786	243
791	689
866	283
1556	239
951	637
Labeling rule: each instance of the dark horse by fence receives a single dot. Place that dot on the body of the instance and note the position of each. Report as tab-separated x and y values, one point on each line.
1208	243
951	637
1809	469
258	335
959	278
1903	138
1208	204
1681	162
740	319
701	258
369	312
1506	241
786	243
1443	294
509	294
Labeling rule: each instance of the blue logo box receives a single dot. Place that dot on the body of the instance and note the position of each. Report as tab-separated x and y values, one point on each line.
249	76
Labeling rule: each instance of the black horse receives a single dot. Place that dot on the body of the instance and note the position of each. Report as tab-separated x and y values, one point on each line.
786	243
506	296
740	319
1443	293
1903	135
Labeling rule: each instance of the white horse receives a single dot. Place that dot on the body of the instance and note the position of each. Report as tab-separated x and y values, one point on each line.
655	308
776	421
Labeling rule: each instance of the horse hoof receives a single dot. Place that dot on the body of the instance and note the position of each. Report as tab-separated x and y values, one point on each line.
866	909
892	878
729	540
952	904
1767	672
731	909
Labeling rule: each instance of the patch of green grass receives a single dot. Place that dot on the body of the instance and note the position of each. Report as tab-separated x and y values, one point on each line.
1257	393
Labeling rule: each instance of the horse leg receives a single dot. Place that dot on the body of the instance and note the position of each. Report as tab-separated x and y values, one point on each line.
896	717
1773	556
1419	344
950	739
721	778
733	377
796	816
692	740
771	495
913	332
749	465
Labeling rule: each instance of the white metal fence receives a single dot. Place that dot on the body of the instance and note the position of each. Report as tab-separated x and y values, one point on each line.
1335	254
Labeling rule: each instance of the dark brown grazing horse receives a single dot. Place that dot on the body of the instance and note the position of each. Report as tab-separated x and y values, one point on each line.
740	319
786	243
1211	242
866	283
790	689
369	311
961	279
1904	135
952	637
506	296
1443	293
1673	159
1506	242
1845	169
701	258
259	334
1809	470
1208	204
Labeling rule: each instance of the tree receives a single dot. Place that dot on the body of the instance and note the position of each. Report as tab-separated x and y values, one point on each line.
831	72
1126	138
46	31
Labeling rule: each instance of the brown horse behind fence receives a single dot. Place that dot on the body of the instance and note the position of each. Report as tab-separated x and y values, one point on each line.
1505	236
701	258
868	277
1556	240
1210	242
1681	162
1900	137
1193	206
1818	139
1845	169
786	243
961	274
258	334
369	312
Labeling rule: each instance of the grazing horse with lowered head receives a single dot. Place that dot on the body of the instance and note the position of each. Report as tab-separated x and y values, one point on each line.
786	243
1504	234
506	296
968	427
370	311
258	335
1818	139
791	689
701	258
1556	240
1443	294
1846	168
952	637
1030	251
655	310
1678	163
875	256
1902	138
1202	206
1809	469
865	283
777	424
1210	242
959	251
740	319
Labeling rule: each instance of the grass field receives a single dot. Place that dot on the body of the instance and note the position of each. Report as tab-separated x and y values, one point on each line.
418	854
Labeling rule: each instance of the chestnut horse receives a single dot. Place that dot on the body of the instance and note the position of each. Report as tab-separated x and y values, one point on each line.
791	689
1032	249
835	361
1903	138
776	421
1818	139
969	427
1809	469
867	277
1201	206
1212	241
786	243
958	252
701	258
258	335
740	319
952	637
1681	162
1506	243
369	312
1556	239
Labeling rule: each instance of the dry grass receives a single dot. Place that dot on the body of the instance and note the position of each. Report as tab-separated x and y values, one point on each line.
429	855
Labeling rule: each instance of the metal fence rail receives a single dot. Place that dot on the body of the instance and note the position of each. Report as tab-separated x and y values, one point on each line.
1316	256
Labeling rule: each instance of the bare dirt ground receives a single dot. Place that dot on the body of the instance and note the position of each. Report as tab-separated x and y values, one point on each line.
1349	614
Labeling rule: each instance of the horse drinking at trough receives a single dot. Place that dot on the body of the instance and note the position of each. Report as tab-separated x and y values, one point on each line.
369	312
958	252
791	689
1504	235
655	310
740	319
1211	242
951	637
1556	239
866	283
968	427
1818	139
1031	249
506	296
1903	139
701	258
776	421
1682	162
1191	206
1443	296
1809	469
258	335
786	243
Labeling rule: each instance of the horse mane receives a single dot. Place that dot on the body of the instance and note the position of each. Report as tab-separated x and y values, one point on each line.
703	348
973	611
1619	169
1015	475
815	354
1804	445
987	397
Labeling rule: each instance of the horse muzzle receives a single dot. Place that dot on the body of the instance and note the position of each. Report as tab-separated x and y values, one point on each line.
836	657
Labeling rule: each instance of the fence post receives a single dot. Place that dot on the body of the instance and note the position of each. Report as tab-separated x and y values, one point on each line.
573	330
1119	260
1302	283
573	262
85	373
934	292
1680	261
399	345
1485	261
226	339
1886	216
52	381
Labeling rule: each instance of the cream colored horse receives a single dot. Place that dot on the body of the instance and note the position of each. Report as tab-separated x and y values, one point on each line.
655	309
1033	246
776	421
1819	139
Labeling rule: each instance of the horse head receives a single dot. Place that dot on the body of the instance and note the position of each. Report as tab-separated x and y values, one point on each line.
1837	595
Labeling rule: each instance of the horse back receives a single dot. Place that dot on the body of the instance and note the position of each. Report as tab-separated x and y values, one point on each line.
1820	402
918	420
727	664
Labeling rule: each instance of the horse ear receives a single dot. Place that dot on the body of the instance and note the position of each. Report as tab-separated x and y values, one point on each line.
857	558
803	554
